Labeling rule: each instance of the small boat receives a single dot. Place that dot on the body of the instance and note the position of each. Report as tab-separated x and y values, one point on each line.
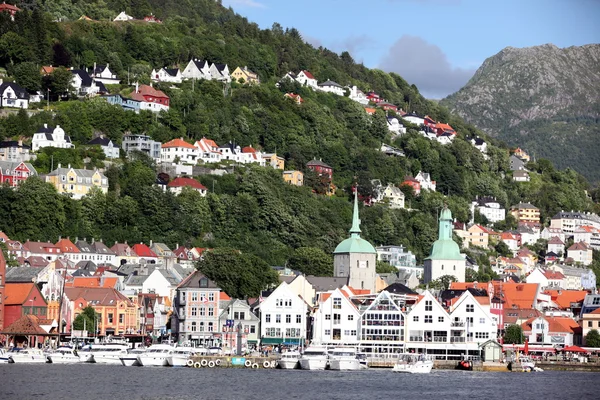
156	356
412	363
64	355
107	353
314	358
344	359
131	358
3	356
289	360
525	364
180	355
26	356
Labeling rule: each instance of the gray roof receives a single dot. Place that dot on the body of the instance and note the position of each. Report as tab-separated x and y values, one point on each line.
331	83
326	283
524	205
136	280
83	173
194	280
101	248
182	271
86	265
172	279
82	272
22	274
576	215
19	91
82	245
11	165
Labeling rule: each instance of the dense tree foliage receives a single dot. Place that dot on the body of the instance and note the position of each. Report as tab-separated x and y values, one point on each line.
592	339
311	261
87	320
513	334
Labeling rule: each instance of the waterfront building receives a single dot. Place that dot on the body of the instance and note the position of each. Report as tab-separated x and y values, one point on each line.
23	299
283	317
445	257
236	314
552	331
336	319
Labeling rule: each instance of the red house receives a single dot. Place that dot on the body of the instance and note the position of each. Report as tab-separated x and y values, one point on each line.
152	18
23	299
441	128
320	168
374	97
429	122
9	8
412	182
149	94
387	106
145	252
15	172
2	289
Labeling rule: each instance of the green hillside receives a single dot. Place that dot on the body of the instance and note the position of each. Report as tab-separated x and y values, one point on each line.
251	209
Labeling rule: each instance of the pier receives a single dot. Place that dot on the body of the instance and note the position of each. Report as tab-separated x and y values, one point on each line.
232	362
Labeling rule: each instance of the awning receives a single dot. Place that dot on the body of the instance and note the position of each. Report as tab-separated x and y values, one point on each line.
286	341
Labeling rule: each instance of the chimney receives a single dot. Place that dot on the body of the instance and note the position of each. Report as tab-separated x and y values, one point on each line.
94	71
150	244
59	165
137	87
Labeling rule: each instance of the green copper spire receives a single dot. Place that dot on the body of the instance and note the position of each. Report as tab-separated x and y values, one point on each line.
355	230
445	248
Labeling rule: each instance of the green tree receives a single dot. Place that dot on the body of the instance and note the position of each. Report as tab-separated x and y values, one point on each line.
592	339
311	261
60	82
239	275
88	319
383	267
442	283
28	75
502	249
513	334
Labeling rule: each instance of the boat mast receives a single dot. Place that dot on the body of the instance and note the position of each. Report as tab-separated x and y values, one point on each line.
62	295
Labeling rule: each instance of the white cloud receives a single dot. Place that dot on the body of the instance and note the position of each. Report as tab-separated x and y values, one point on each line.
425	65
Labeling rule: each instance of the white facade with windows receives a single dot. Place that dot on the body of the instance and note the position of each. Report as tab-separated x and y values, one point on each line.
336	320
283	317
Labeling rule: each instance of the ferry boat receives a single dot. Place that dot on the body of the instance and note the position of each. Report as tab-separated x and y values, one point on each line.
156	356
107	353
289	360
131	358
26	356
344	359
314	358
180	355
412	363
64	355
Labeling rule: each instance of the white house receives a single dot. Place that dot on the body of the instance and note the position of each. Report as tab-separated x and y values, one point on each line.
231	151
549	232
414	119
473	313
394	196
220	72
305	78
395	126
50	137
208	150
551	331
283	317
510	240
251	156
489	208
479	144
107	146
179	149
331	87
162	282
547	279
556	246
197	69
358	95
425	180
177	185
13	95
521	176
172	75
428	326
581	253
84	85
123	17
336	320
589	235
102	73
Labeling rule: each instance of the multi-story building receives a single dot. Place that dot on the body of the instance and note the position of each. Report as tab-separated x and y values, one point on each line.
236	315
398	256
179	149
526	212
143	143
551	331
107	146
293	177
150	98
274	161
589	235
77	182
23	299
283	317
581	253
245	75
50	137
336	319
196	311
208	150
14	172
15	151
489	208
570	221
424	178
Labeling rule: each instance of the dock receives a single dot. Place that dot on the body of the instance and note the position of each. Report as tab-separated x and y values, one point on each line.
216	361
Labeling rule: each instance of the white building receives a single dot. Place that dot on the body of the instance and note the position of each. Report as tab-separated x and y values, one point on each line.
13	96
425	180
390	194
283	317
547	279
589	235
171	75
251	156
581	253
569	221
398	257
107	146
445	257
556	246
547	330
549	232
220	72
305	78
235	313
84	85
331	87
123	17
179	149
336	319
51	137
197	69
208	150
102	73
414	119
143	143
162	282
489	208
357	95
395	126
231	152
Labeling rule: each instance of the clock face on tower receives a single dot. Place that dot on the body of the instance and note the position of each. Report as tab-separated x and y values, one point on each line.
363	264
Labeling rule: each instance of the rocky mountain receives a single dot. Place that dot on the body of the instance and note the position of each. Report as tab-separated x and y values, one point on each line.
544	99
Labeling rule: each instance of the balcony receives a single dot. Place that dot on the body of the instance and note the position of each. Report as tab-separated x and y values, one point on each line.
457	324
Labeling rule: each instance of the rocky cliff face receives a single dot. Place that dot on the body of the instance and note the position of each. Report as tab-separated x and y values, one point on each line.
543	98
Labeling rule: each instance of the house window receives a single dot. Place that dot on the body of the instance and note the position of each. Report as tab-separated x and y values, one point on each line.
194	311
327	332
110	318
428	305
482	320
470	308
277	318
210	326
440	319
416	318
202	311
428	319
288	319
590	324
267	317
252	328
194	326
211	297
121	318
337	303
298	318
327	317
211	311
350	317
194	296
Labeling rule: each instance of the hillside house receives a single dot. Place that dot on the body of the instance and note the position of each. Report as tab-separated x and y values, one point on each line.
294	177
526	213
208	150
197	69
251	156
273	160
331	87
555	245
150	98
296	98
13	96
14	172
171	75
413	118
231	151
11	10
391	150
489	208
580	253
179	150
390	194
152	19
589	235
516	164
569	221
102	73
50	137
243	74
357	95
85	86
143	143
320	168
107	146
305	78
521	154
413	183
77	182
220	72
395	126
123	17
425	180
15	151
521	176
176	185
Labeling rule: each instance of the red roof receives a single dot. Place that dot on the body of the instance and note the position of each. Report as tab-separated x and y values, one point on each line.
178	143
147	90
553	274
248	149
579	246
564	298
208	142
3	237
596	311
308	74
9	7
507	236
142	250
26	325
444	127
183	182
66	246
17	293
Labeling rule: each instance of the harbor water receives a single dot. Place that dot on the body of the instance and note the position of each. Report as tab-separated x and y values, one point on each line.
91	382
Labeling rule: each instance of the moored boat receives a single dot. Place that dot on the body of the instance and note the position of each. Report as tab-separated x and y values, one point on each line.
314	358
412	363
26	356
107	353
3	356
344	359
180	355
64	355
289	360
156	356
131	358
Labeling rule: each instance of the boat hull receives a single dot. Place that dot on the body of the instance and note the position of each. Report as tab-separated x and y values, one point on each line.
287	364
151	361
27	359
175	361
112	359
416	368
58	359
344	365
313	364
129	361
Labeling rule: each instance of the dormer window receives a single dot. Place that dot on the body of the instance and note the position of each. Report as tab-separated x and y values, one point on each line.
203	282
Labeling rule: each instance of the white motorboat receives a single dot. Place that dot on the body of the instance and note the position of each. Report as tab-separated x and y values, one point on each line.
180	355
289	360
64	355
107	353
131	358
26	356
527	364
413	363
314	358
156	355
344	359
3	356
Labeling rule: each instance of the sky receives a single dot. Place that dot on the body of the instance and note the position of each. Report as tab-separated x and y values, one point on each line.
435	44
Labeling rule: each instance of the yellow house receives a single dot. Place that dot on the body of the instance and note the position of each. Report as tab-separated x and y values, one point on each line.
248	76
294	177
274	161
77	182
525	212
477	235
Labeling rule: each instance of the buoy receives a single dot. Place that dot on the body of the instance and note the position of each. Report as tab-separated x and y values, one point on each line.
204	362
211	364
266	364
218	362
196	364
254	366
248	363
189	363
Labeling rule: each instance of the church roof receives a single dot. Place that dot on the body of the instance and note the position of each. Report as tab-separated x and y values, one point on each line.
445	248
355	244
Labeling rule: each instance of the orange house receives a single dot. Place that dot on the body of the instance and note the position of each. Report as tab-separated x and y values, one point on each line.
118	315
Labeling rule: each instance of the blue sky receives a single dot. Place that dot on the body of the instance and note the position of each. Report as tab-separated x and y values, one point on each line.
435	44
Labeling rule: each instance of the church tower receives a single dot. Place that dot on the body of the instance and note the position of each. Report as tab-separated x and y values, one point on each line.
355	258
445	258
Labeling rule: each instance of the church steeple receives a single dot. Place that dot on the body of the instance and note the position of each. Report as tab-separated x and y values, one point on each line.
355	229
445	224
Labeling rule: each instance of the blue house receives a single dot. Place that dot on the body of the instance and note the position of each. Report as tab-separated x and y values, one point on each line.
125	102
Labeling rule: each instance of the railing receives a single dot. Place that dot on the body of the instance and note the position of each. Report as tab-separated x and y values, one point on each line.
457	324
